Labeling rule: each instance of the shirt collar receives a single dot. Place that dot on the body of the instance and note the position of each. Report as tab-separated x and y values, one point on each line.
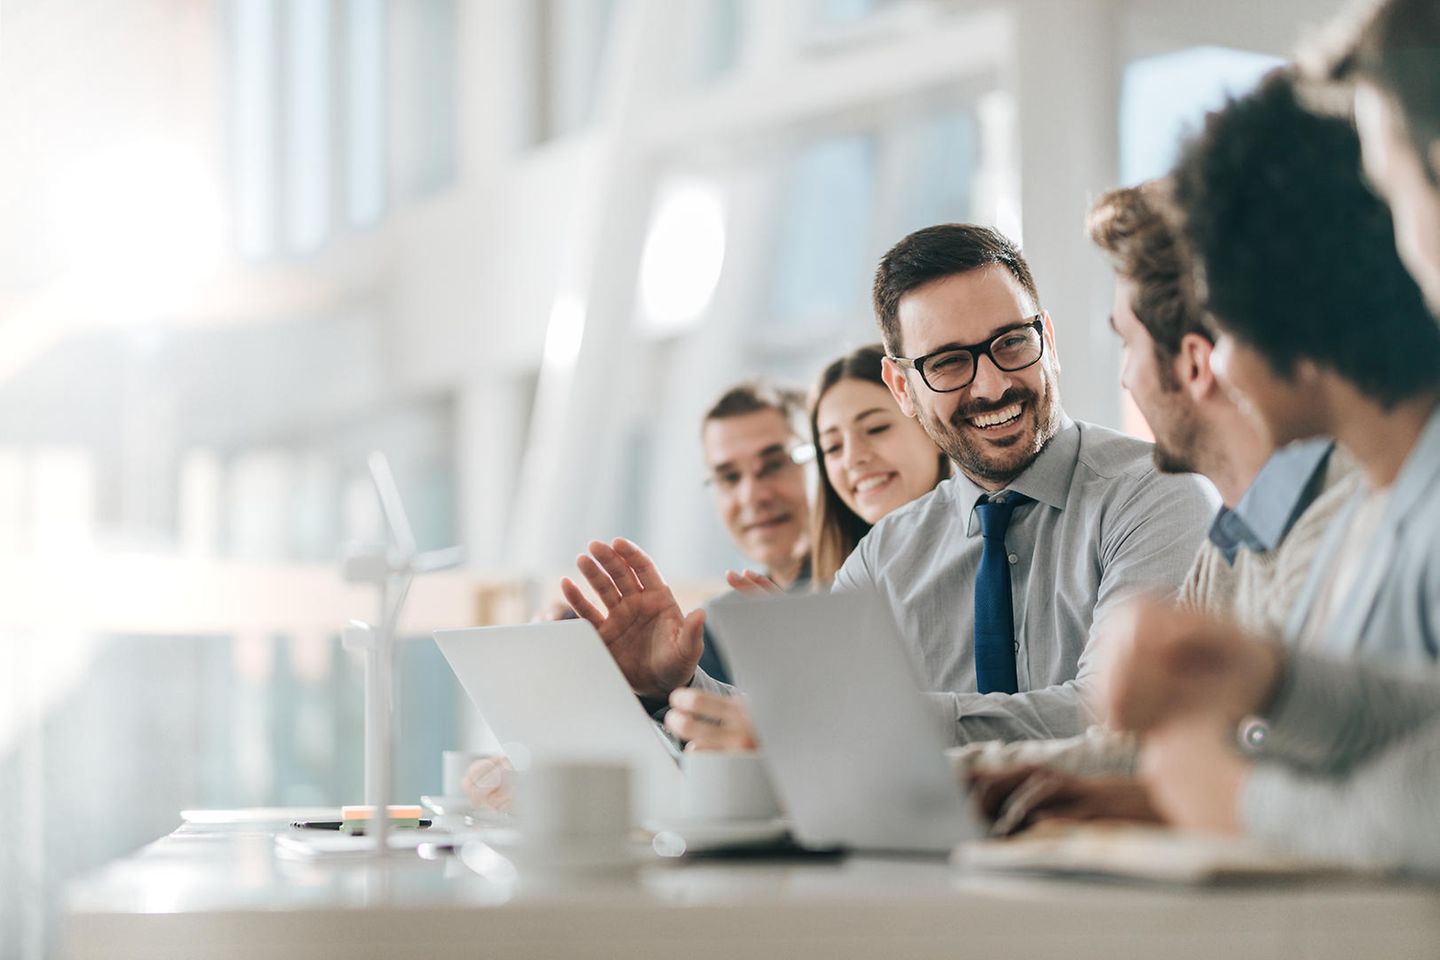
1276	498
1046	480
1419	470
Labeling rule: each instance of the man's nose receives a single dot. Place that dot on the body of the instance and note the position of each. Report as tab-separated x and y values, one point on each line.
990	381
753	490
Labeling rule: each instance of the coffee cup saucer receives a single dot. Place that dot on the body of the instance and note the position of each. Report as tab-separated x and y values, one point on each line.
708	833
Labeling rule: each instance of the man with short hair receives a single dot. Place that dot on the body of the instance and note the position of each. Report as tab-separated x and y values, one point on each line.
1391	60
1272	516
996	577
753	463
1322	332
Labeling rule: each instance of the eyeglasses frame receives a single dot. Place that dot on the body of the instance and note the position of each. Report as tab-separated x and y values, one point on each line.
976	351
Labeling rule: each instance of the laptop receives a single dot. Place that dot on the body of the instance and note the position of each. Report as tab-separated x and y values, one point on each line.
854	748
550	691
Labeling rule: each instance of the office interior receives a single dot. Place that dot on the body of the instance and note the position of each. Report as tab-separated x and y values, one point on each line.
516	245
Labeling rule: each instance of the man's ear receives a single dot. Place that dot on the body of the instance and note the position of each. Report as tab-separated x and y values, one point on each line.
899	385
1050	346
1191	364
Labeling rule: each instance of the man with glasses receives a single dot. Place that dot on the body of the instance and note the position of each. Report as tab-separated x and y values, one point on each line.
999	620
1000	576
754	463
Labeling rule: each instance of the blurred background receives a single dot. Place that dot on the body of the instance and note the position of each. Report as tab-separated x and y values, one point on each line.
518	245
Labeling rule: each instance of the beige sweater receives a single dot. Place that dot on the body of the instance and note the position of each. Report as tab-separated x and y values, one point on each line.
1260	589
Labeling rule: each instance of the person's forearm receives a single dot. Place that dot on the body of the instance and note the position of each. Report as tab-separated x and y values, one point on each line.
1049	713
1329	714
1384	813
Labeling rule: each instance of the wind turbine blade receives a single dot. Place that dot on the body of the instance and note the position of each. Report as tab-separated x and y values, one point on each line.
390	503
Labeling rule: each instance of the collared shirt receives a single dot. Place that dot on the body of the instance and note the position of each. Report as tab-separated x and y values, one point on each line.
1280	492
1105	526
1391	611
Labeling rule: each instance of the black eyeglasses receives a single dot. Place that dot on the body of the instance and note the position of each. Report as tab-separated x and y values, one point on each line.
953	368
770	466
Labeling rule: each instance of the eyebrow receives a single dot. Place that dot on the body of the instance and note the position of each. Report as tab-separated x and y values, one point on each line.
1013	325
855	419
760	455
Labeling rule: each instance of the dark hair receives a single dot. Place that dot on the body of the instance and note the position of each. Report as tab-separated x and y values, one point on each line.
934	253
1295	256
835	529
753	396
1396	46
1130	226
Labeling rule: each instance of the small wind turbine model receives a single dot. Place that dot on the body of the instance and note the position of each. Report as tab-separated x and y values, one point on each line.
390	568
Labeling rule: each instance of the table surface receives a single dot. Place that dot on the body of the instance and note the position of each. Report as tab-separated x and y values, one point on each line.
220	890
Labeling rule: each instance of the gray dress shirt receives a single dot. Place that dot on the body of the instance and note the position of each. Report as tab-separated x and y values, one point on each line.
1105	526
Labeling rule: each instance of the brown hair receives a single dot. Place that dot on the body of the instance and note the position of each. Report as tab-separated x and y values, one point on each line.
1394	44
1129	225
835	529
934	253
752	396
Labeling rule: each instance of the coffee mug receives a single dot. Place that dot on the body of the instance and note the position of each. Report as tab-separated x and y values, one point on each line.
728	785
573	802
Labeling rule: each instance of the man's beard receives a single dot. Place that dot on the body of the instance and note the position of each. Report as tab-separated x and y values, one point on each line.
1177	444
984	460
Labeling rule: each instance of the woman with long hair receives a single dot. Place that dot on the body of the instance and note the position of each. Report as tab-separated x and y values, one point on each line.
873	458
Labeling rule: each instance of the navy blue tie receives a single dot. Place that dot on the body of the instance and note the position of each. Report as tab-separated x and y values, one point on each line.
994	615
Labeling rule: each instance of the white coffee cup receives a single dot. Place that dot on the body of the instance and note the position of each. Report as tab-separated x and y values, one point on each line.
573	802
728	785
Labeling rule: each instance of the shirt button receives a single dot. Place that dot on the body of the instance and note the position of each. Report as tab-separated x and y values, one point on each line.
1014	558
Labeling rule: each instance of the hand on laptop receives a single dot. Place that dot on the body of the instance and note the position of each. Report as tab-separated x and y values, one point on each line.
1194	774
751	583
1019	797
1167	663
655	644
709	721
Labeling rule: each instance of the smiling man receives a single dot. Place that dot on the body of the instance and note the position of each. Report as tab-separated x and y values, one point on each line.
998	620
998	577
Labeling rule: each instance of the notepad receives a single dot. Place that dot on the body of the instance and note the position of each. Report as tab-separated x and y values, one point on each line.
1136	852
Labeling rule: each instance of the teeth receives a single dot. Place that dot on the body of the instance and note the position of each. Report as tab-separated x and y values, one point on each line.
997	416
870	483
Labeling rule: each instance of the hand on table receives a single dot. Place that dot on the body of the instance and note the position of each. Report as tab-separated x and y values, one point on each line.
1194	774
1167	663
655	644
709	721
486	785
1020	797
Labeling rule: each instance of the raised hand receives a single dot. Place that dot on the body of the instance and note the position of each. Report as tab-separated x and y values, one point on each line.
656	645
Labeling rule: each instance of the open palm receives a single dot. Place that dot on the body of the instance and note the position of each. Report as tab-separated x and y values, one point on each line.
656	646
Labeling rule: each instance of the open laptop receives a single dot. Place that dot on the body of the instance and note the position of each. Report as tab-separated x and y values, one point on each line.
552	691
854	748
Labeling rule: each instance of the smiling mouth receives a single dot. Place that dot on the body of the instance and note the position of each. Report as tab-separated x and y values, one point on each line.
872	483
996	419
769	523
